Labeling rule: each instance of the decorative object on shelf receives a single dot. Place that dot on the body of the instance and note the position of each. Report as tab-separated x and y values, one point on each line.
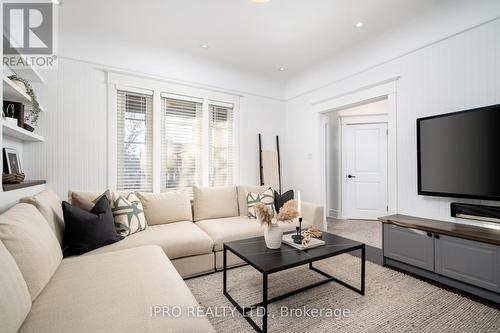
273	234
8	114
11	161
308	235
28	128
13	178
18	112
35	112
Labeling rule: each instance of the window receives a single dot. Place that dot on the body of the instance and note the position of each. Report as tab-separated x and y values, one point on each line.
171	142
221	154
134	141
181	143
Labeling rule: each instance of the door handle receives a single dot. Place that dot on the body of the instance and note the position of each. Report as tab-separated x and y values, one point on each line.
351	176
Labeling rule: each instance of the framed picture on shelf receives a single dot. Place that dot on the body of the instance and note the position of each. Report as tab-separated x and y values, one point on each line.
11	161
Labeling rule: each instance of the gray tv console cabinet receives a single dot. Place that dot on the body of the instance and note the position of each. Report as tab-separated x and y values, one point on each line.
460	256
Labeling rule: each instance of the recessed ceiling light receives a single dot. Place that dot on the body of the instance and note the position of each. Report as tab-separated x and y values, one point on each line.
205	46
261	1
359	24
282	69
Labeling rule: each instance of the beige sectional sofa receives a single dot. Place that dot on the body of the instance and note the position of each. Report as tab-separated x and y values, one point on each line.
115	287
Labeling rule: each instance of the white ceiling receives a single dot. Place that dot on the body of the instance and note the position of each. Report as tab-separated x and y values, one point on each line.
241	34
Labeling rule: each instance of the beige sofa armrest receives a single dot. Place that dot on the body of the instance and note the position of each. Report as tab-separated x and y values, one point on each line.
313	214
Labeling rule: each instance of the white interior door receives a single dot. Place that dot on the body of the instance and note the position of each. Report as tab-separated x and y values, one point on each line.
364	171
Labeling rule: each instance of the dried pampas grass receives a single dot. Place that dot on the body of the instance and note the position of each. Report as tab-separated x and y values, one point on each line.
264	213
288	212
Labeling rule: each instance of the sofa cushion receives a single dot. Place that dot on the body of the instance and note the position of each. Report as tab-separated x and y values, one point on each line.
114	292
49	204
253	198
35	248
179	239
128	213
83	202
74	196
242	196
15	300
166	207
236	228
86	231
214	202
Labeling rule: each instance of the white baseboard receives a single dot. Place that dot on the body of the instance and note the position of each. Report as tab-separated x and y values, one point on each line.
334	213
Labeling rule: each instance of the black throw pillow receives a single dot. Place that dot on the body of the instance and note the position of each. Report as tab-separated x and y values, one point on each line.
280	199
86	231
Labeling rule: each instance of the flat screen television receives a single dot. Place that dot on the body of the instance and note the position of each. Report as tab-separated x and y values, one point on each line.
459	154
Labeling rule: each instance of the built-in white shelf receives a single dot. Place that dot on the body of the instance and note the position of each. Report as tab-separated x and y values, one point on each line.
13	92
29	73
18	133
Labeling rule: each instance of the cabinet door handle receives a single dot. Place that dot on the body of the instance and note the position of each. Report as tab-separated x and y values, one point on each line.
429	234
436	236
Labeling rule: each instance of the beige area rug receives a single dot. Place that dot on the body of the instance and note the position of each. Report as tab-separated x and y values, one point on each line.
394	302
368	232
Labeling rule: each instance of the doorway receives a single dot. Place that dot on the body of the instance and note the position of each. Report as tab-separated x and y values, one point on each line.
364	168
358	161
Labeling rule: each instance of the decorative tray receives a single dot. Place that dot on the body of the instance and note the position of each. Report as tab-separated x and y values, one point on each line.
287	239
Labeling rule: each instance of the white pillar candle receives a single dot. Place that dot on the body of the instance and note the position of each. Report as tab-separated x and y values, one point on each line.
299	204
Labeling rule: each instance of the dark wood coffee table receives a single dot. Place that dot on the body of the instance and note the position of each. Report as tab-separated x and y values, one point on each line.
255	253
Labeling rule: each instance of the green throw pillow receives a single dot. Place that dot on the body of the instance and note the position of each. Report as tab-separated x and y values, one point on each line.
266	197
128	214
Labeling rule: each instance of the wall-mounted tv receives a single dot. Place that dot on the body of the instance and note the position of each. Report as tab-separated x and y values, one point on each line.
459	154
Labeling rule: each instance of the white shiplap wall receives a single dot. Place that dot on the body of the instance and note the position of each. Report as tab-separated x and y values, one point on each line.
74	154
458	73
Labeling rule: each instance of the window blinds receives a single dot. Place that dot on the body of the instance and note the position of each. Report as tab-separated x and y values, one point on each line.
181	144
135	141
221	147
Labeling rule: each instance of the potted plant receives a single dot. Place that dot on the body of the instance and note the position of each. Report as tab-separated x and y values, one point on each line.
35	112
273	234
8	114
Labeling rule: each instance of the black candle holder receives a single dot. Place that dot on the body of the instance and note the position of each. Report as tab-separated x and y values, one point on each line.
297	238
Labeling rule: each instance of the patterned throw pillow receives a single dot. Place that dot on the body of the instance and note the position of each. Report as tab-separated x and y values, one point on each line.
128	213
266	197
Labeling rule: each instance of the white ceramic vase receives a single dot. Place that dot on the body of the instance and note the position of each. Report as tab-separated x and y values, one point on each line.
273	236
